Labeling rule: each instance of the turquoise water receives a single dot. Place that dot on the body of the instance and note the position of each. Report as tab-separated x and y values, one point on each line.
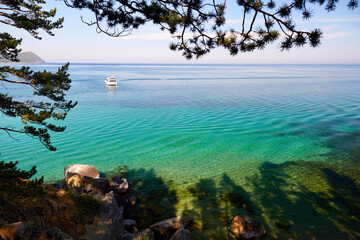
284	136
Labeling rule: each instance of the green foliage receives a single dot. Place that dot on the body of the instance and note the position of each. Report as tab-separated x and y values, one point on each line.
85	203
15	183
200	25
29	16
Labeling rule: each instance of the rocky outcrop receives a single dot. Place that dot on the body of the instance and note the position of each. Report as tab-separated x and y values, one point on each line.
169	226
85	184
85	208
181	234
16	231
81	170
109	223
56	233
246	228
119	184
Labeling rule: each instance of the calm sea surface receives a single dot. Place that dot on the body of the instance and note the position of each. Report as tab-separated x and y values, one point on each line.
277	143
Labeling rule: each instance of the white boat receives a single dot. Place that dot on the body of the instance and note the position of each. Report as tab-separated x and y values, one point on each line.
110	81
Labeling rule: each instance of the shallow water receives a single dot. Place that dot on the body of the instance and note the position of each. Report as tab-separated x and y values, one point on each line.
284	138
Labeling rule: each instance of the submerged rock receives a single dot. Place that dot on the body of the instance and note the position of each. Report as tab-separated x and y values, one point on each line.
238	200
246	228
283	224
168	226
81	170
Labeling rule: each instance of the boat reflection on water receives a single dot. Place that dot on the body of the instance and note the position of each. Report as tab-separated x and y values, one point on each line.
111	90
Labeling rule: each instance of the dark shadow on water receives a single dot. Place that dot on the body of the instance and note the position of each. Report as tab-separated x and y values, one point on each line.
214	207
154	199
293	200
296	211
345	194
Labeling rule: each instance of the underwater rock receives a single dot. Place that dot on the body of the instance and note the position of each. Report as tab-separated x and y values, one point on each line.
246	228
168	226
132	200
283	224
119	184
81	170
181	234
16	231
238	200
146	234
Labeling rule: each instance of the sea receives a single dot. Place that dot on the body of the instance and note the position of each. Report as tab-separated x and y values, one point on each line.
276	143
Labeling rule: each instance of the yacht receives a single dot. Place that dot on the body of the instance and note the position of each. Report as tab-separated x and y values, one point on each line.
110	81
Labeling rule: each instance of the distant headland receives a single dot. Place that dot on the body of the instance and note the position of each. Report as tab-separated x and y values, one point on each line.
25	57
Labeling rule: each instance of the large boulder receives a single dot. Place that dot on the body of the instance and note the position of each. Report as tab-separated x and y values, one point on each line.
109	223
85	184
130	225
246	228
181	234
119	184
81	170
16	231
169	226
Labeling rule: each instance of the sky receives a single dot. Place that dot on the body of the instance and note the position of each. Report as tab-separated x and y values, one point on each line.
79	43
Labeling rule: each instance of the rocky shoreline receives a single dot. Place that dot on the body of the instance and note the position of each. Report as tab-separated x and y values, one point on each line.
86	206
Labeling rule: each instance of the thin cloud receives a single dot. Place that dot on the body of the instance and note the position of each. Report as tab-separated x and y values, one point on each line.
339	20
339	35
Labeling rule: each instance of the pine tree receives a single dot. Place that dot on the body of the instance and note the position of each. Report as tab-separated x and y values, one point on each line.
35	114
15	183
200	25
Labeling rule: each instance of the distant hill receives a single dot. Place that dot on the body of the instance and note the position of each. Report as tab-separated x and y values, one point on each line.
26	57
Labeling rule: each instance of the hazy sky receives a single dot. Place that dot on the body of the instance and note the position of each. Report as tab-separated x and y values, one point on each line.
76	42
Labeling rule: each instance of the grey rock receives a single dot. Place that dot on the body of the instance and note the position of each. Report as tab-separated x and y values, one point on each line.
246	228
53	205
110	223
18	231
181	234
168	226
127	236
130	225
81	170
56	234
131	200
146	234
119	184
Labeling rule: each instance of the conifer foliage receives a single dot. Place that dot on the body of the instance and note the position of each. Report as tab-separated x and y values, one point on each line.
200	25
48	102
15	183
